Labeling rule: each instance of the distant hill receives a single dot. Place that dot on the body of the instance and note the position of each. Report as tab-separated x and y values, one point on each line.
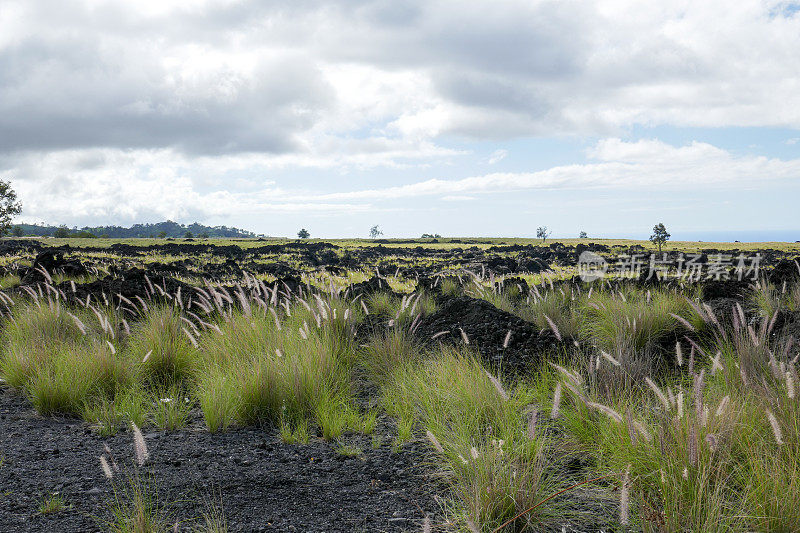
159	229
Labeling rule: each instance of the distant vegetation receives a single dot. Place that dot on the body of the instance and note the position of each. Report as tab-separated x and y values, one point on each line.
543	233
660	235
160	229
9	206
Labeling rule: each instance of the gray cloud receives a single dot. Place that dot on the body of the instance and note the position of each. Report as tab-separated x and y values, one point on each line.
60	95
213	78
170	108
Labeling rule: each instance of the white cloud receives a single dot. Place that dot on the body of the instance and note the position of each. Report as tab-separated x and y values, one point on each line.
458	198
132	185
497	156
620	164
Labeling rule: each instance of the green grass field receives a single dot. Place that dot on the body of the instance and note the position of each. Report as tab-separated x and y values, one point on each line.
444	243
648	410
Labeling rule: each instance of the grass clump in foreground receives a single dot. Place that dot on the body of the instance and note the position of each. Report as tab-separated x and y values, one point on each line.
136	508
266	367
401	310
58	361
716	450
245	361
83	362
768	299
494	456
160	347
53	503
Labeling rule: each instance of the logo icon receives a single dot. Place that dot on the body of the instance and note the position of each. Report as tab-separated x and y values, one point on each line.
591	266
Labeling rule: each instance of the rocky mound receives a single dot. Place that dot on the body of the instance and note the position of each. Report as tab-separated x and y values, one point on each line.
19	246
486	328
130	284
786	271
52	261
372	285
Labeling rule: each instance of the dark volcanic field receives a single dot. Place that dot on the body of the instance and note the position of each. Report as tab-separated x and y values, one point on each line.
261	483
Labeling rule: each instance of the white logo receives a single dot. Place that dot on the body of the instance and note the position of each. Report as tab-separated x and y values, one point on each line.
591	266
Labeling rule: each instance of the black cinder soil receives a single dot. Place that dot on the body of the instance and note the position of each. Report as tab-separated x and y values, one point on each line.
261	483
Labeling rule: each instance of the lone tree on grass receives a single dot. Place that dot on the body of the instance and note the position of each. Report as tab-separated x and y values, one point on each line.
583	235
375	232
9	206
542	233
660	235
303	234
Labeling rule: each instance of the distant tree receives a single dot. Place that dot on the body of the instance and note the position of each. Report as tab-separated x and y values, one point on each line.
583	235
16	231
431	236
375	232
204	235
660	235
303	234
188	235
162	234
542	233
9	206
61	232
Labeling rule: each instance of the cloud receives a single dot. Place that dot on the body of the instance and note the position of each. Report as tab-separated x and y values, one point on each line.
497	156
165	108
236	77
125	186
618	164
56	98
458	198
103	185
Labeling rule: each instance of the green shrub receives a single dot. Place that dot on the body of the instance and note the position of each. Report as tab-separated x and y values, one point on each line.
480	435
261	370
31	338
72	376
451	287
386	351
160	347
718	453
635	318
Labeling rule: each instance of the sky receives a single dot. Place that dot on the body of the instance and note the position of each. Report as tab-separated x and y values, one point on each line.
463	118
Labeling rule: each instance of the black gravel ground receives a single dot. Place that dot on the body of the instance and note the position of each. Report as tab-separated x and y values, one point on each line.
261	483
